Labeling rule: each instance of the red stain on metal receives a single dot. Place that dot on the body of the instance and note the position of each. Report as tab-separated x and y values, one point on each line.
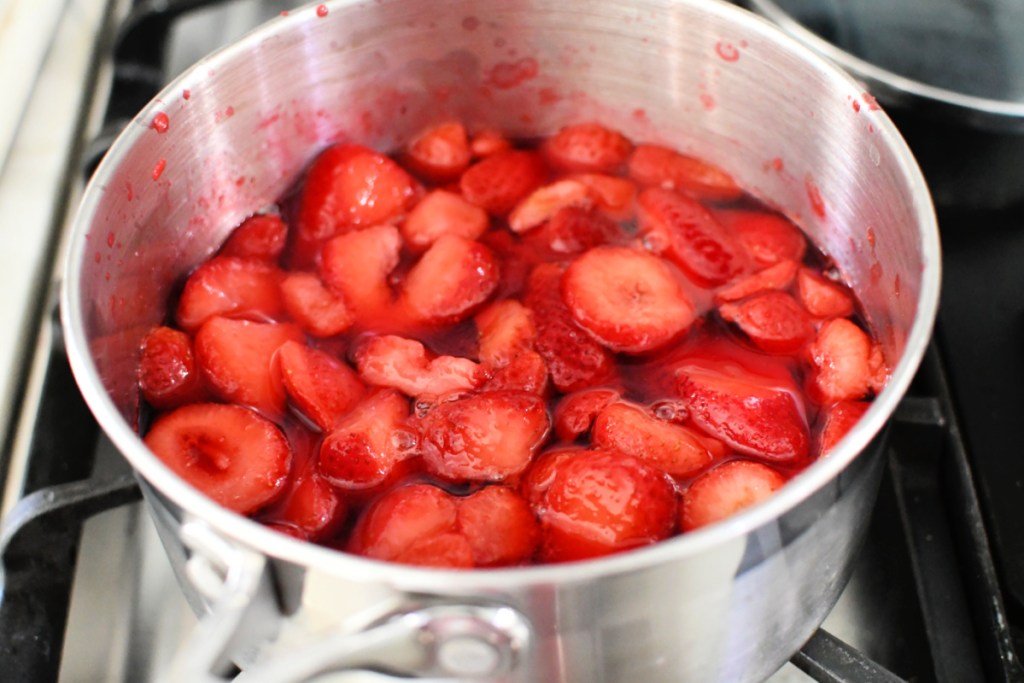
707	101
160	123
507	75
814	195
871	237
548	96
186	94
110	239
727	51
870	100
321	11
158	169
897	286
640	114
876	273
856	105
471	23
129	192
775	164
97	257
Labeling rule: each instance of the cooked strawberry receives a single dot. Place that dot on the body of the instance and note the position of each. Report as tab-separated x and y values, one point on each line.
450	281
229	286
368	442
442	213
288	530
780	276
768	237
537	478
440	154
671	448
773	320
823	298
238	361
840	362
598	503
879	369
725	490
687	234
500	181
317	310
404	364
587	147
545	202
484	437
662	167
505	329
488	142
261	237
499	525
575	413
320	386
573	230
746	412
229	453
526	371
628	300
610	193
168	376
310	505
836	421
356	266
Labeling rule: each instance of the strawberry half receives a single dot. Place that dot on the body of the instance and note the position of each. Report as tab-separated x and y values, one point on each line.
308	504
500	181
439	154
611	194
840	358
767	237
168	376
356	265
836	421
573	230
587	147
231	454
545	202
442	213
262	237
450	281
671	448
777	277
403	364
499	525
506	339
321	387
628	300
233	287
725	490
575	413
310	303
666	168
488	142
773	320
823	298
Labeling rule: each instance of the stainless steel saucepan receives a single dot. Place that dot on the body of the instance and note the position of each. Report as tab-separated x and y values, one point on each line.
731	602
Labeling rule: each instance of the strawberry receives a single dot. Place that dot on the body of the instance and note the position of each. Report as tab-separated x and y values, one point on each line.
499	525
671	448
836	421
840	362
656	166
773	320
573	230
506	329
168	376
575	413
879	369
823	298
227	452
767	237
440	153
484	437
498	182
309	504
575	361
310	303
450	281
545	202
366	445
260	237
611	194
537	478
229	286
746	412
320	386
526	371
488	142
356	266
725	490
238	361
687	234
403	364
587	147
628	300
779	276
597	503
442	213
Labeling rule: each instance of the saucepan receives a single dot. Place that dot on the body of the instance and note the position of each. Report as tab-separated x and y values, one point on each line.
730	602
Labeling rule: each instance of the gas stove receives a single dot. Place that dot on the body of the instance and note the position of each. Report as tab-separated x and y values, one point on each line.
938	590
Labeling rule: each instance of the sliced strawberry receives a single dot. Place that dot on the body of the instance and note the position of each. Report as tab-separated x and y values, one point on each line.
439	154
261	237
575	413
238	361
823	298
442	213
535	482
356	266
598	503
628	300
484	437
610	193
318	311
780	276
575	361
773	320
746	412
573	230
499	525
666	168
836	421
725	490
671	448
488	142
309	504
229	453
363	449
526	371
840	362
587	147
686	233
450	281
404	364
233	287
320	386
168	376
506	329
500	181
768	237
545	202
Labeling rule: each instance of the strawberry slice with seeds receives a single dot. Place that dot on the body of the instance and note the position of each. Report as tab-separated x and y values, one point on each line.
321	387
168	376
229	286
657	166
669	447
545	202
262	237
836	421
356	266
773	320
575	229
576	412
628	300
500	181
450	281
823	298
238	359
506	329
439	154
686	233
725	490
404	364
610	193
767	237
587	147
310	303
526	371
777	277
499	525
484	437
227	452
442	213
840	362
